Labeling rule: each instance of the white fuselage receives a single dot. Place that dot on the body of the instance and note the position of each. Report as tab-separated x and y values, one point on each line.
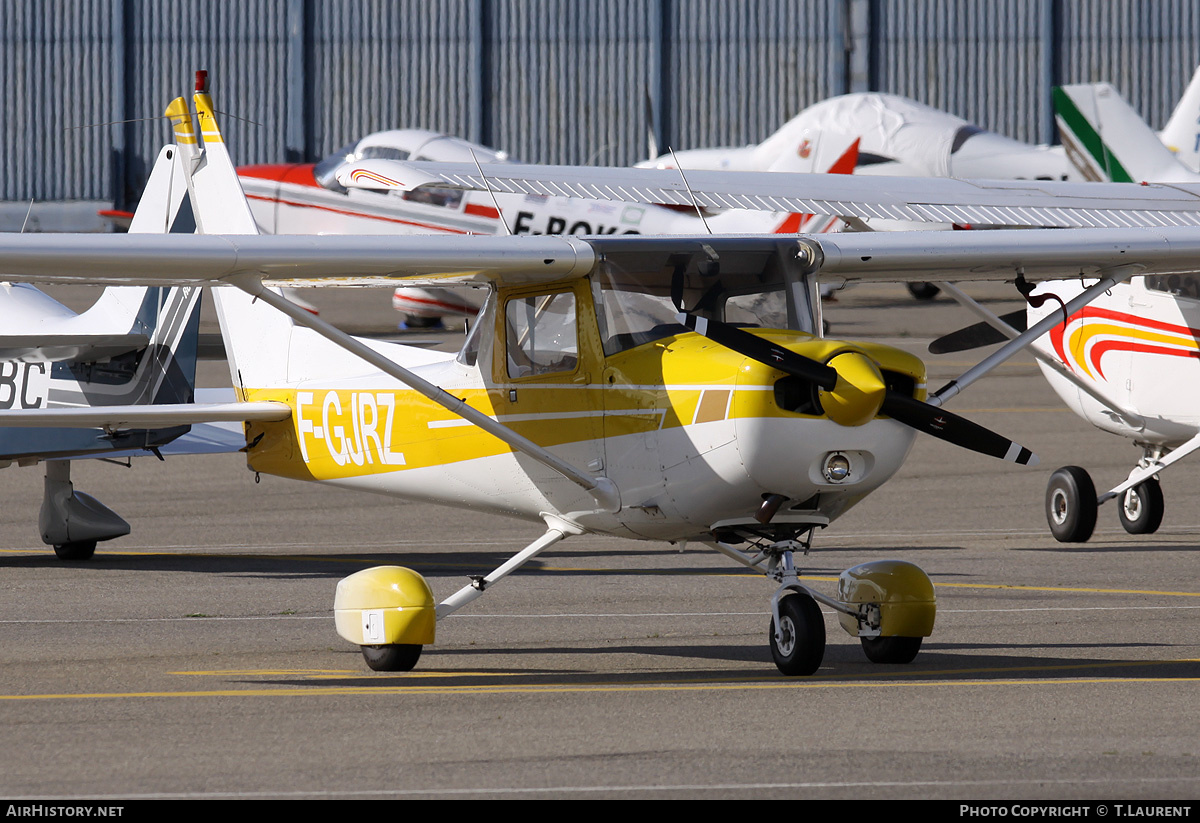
1138	344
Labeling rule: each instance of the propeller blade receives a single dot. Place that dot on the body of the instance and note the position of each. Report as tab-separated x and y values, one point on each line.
923	417
950	427
745	343
980	334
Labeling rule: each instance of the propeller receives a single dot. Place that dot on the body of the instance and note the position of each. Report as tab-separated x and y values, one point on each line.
974	336
852	389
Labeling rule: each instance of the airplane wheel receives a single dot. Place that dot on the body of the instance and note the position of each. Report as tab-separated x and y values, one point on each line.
891	649
923	291
79	550
802	646
1071	505
397	658
1141	509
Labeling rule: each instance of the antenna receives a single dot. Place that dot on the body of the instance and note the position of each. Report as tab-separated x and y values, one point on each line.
695	204
28	212
495	202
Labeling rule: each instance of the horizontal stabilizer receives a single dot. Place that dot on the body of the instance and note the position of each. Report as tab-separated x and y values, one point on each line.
144	416
86	348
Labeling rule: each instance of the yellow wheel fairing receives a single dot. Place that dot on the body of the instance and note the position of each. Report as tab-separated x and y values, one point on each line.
383	606
904	593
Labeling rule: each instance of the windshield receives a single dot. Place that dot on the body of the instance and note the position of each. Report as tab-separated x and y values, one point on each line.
635	293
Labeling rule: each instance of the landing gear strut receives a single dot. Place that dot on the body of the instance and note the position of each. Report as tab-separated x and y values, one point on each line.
888	604
1071	499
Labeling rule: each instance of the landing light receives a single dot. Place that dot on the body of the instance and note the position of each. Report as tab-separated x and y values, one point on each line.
837	467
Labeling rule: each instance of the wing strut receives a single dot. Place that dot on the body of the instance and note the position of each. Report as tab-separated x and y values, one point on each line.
601	488
1114	276
1129	417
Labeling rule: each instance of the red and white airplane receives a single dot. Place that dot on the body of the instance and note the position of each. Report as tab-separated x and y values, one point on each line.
306	198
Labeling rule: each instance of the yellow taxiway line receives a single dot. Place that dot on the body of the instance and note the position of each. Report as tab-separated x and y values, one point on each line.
382	683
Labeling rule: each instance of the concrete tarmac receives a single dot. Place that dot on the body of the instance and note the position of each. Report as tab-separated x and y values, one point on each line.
196	658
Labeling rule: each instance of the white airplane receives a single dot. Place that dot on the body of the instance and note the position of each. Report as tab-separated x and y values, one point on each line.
897	136
136	346
305	198
1129	362
607	387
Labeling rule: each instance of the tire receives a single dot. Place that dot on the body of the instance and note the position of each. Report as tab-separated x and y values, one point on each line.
1141	509
1071	505
891	649
398	658
923	291
803	644
79	550
412	321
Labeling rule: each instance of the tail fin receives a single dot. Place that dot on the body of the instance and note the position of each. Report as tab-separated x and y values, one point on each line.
257	337
1107	140
1182	134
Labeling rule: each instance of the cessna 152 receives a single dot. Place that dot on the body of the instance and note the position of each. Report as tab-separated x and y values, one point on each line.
607	387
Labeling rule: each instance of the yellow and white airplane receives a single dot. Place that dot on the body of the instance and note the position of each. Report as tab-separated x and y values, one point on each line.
666	389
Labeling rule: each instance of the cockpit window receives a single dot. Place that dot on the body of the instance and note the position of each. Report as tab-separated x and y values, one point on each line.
432	196
540	333
635	293
386	152
481	326
1180	285
327	168
326	171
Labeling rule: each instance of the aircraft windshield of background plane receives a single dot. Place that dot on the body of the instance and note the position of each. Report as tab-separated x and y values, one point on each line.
634	302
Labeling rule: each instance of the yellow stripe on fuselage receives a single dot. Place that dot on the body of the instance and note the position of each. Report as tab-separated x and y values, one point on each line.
340	433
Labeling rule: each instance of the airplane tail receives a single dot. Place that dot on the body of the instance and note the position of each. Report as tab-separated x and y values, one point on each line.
135	345
733	222
257	338
1182	133
1107	140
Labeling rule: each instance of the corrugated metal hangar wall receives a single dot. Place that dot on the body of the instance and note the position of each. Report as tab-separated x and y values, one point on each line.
584	81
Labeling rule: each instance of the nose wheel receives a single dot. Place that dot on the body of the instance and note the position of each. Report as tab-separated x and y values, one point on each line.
400	657
1141	509
798	643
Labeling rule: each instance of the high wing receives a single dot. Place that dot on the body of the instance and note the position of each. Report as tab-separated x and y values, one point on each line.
355	260
921	199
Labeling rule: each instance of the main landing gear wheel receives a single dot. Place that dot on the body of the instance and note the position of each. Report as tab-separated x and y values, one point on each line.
923	291
82	550
1071	505
801	645
1141	509
398	658
891	649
